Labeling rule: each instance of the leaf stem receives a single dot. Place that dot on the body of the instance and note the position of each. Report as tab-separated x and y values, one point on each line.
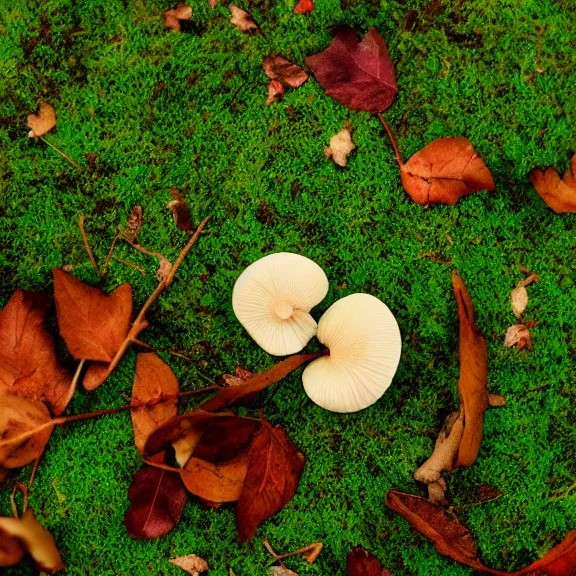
392	139
87	244
63	154
24	490
74	383
132	265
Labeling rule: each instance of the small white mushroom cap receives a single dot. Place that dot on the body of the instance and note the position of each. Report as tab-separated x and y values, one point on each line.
365	345
272	299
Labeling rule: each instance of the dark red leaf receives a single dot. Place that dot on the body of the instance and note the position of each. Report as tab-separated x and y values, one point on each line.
271	481
362	563
560	561
180	211
359	75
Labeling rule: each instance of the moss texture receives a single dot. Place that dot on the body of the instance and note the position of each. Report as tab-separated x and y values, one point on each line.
144	108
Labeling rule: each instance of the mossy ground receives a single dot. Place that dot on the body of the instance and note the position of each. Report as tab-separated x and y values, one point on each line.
152	108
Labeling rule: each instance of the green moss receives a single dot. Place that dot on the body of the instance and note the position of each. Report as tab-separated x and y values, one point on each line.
157	108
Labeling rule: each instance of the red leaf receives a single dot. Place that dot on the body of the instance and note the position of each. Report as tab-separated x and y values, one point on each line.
157	501
559	194
444	171
304	6
154	380
359	75
362	563
28	363
560	561
271	481
289	74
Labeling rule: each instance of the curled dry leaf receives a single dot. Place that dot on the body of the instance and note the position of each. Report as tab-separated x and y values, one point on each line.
154	380
444	171
341	145
180	211
359	75
304	6
35	539
242	19
24	430
192	564
28	363
360	562
519	335
559	194
157	499
275	92
519	300
238	379
133	225
42	122
276	67
173	17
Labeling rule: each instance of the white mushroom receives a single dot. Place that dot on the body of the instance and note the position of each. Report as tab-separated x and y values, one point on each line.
365	345
272	299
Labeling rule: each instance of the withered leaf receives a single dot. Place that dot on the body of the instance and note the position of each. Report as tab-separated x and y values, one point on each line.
360	562
472	383
35	539
341	146
560	561
173	17
304	6
28	363
271	481
92	323
157	500
242	19
359	75
20	444
11	551
444	171
180	211
237	379
154	380
275	92
133	225
276	67
519	335
42	122
281	571
519	300
192	564
559	194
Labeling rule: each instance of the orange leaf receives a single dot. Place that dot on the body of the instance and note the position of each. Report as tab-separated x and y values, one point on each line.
559	194
304	6
560	561
444	171
11	551
42	122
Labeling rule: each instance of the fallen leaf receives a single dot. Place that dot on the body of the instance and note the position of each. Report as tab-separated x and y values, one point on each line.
157	501
519	335
154	380
42	122
304	6
341	145
276	67
92	323
20	444
28	363
559	194
271	481
495	400
444	171
275	92
133	225
11	551
519	300
35	539
360	562
192	564
3	475
242	19
472	383
95	375
172	17
313	552
237	379
180	211
560	561
281	571
530	279
359	75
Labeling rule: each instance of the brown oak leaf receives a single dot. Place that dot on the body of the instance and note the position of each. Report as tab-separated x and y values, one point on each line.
360	562
173	17
242	19
42	122
276	67
559	194
192	564
281	571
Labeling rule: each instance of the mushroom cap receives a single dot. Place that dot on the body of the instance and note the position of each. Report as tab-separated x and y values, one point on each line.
365	345
272	299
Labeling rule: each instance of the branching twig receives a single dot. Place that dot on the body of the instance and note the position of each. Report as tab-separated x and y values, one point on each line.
87	244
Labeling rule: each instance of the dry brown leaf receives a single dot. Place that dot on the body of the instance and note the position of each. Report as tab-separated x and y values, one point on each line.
341	145
42	122
496	401
281	571
172	17
559	194
192	564
361	562
154	380
275	92
133	225
238	379
36	540
276	67
519	300
519	335
180	211
242	19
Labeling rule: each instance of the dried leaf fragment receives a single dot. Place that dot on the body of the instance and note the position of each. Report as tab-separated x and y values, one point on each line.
519	300
277	67
133	225
42	122
519	335
172	17
275	92
304	6
559	194
444	171
341	146
180	211
360	562
192	564
281	571
242	19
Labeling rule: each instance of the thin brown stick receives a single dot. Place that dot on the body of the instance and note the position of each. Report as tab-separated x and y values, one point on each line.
141	248
392	139
135	266
431	256
24	490
34	470
63	154
109	256
87	244
154	349
74	383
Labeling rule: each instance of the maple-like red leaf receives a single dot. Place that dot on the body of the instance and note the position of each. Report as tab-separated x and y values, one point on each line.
360	562
560	561
559	194
444	171
157	501
271	481
359	75
28	363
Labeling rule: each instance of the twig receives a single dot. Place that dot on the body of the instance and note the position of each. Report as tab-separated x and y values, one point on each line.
87	244
431	256
392	140
135	266
109	256
154	349
34	470
74	383
141	248
63	154
24	490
